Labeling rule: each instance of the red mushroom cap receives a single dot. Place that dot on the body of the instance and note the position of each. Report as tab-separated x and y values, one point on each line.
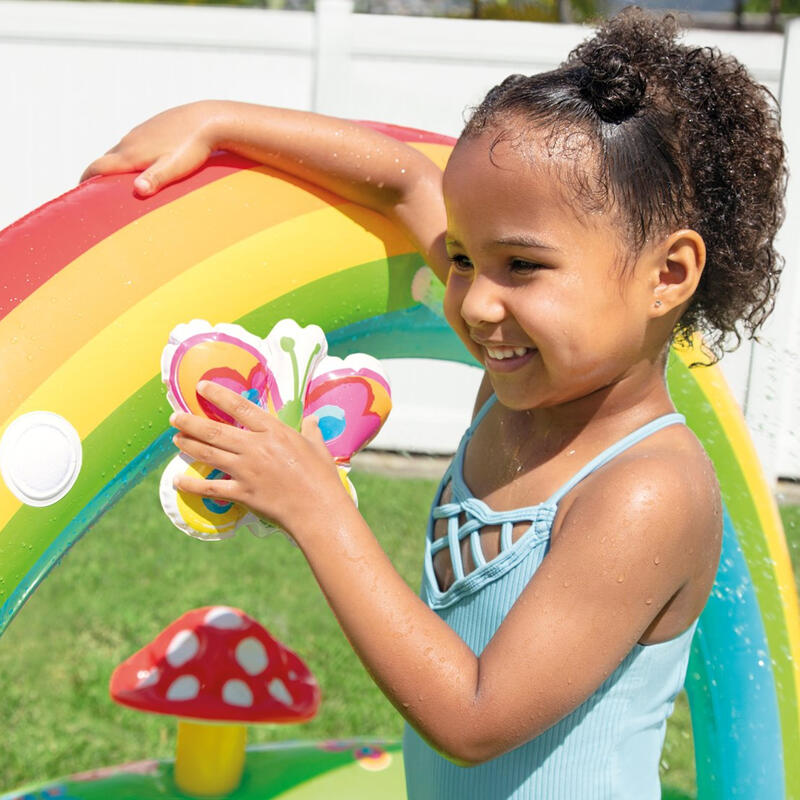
217	663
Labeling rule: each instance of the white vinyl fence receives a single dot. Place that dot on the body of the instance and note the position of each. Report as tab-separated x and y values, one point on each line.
76	76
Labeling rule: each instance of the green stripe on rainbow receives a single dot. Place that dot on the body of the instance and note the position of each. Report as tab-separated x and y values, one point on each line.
136	422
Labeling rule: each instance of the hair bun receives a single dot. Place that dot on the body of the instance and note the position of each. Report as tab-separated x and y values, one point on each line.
614	87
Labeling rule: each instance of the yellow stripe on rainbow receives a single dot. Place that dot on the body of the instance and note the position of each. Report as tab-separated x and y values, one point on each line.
266	263
96	288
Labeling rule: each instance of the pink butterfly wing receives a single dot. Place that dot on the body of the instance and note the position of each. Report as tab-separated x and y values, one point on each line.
351	406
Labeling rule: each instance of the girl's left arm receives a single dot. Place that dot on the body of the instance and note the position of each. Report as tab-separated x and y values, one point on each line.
602	584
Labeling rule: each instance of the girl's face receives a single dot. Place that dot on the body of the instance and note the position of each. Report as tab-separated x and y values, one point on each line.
538	289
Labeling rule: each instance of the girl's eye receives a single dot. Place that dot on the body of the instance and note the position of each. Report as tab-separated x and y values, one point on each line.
525	267
460	263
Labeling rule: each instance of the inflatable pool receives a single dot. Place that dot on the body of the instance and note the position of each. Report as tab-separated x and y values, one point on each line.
95	281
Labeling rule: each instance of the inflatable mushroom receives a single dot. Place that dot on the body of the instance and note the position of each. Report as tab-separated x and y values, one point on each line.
217	669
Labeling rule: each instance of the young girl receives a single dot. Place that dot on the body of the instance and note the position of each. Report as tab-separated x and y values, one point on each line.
587	216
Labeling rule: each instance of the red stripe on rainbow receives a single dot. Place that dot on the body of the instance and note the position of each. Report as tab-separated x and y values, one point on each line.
71	229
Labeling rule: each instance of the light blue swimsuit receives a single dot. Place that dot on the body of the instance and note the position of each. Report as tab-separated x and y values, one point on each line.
606	749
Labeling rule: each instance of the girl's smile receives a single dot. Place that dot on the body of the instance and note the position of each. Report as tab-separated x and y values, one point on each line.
505	358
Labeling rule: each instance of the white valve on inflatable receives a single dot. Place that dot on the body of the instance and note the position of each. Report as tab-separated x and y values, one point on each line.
40	457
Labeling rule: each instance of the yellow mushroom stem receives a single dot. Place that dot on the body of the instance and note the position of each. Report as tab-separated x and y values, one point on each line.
209	757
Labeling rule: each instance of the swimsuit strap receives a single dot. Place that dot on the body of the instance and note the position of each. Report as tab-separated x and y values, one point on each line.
484	410
597	462
615	449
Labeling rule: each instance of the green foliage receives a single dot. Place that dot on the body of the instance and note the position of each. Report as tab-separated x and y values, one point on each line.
533	10
790	514
132	575
787	7
526	10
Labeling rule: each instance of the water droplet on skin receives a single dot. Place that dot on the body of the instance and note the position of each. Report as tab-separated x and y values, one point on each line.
566	584
620	578
657	560
649	601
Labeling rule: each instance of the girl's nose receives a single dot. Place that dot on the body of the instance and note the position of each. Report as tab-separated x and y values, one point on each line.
482	302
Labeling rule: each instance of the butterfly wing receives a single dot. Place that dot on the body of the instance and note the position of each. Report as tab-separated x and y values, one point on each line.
232	357
225	354
351	399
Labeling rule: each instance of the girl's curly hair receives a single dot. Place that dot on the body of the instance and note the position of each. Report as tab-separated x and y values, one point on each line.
683	137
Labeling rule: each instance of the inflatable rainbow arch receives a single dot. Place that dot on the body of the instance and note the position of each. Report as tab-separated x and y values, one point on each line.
94	282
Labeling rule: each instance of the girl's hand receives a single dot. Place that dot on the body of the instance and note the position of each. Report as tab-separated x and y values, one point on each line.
273	469
167	147
359	164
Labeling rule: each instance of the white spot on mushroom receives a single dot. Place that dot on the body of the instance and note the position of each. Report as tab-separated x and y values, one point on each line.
147	677
184	688
223	617
182	648
252	656
279	691
237	693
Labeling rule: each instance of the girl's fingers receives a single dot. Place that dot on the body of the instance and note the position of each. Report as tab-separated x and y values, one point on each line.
207	454
247	414
310	430
158	170
167	169
109	164
214	489
207	432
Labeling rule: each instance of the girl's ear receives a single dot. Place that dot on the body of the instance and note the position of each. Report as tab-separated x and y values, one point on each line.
676	270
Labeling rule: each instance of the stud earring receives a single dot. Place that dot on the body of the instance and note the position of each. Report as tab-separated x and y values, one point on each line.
657	304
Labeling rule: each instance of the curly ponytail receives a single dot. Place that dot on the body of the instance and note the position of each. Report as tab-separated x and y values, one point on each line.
611	83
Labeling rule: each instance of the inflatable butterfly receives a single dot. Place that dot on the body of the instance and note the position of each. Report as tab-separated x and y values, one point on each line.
291	375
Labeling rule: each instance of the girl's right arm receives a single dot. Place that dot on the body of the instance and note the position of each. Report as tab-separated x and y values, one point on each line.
356	162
